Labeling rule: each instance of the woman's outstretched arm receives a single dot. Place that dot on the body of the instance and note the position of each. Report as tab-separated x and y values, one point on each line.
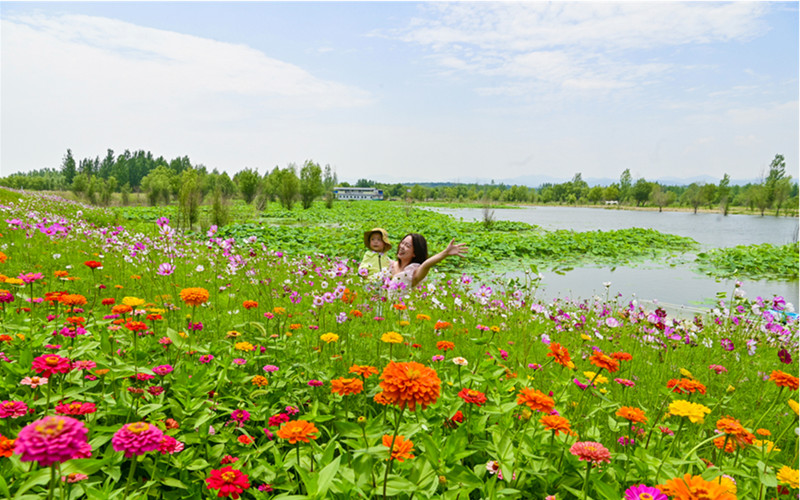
453	248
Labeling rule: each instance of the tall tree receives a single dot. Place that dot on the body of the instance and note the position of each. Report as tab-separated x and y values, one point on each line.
310	183
724	194
288	186
625	181
247	181
68	168
641	191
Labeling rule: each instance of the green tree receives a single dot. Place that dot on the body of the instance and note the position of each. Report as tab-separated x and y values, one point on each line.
595	194
781	193
190	197
419	192
247	181
311	185
659	197
157	185
709	194
777	171
288	186
724	194
625	181
611	192
641	191
68	168
693	196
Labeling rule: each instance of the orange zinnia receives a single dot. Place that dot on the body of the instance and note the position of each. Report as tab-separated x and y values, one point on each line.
381	399
72	300
410	384
344	386
691	487
365	371
194	296
444	345
632	414
686	385
783	379
556	423
6	446
249	304
402	448
621	356
442	325
560	355
536	400
601	360
298	430
121	309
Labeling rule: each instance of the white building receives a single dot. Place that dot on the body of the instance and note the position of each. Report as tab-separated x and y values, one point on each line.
355	193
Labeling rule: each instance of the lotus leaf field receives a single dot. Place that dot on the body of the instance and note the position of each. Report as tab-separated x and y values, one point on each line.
141	361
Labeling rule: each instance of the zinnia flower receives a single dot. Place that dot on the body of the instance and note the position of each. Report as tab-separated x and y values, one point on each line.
590	451
34	382
556	423
50	440
365	371
137	438
49	364
329	337
635	415
560	355
696	412
643	492
392	338
472	396
536	400
601	360
783	379
194	296
444	345
298	430
229	481
402	448
789	476
13	409
693	487
344	386
410	384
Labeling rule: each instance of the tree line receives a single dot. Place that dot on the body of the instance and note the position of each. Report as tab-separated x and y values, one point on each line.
164	181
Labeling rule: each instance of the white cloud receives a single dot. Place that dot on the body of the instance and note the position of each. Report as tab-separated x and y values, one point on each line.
577	45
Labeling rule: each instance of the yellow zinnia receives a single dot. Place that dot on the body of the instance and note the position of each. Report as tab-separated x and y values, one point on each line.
132	301
686	373
789	476
793	405
244	346
392	338
767	445
696	412
329	337
599	380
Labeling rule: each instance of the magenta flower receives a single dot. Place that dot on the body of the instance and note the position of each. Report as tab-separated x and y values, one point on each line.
240	416
29	278
50	440
785	356
718	368
84	365
206	358
49	364
13	409
271	368
170	445
315	383
162	369
75	408
137	439
642	492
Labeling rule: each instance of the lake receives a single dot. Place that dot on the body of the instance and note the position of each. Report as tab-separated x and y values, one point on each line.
677	288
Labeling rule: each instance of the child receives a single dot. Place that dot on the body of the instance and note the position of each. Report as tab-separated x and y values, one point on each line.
375	259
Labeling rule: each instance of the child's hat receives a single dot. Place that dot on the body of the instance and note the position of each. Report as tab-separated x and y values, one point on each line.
384	237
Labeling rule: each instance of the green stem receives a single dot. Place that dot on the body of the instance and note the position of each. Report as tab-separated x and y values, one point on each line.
669	452
586	480
391	448
131	476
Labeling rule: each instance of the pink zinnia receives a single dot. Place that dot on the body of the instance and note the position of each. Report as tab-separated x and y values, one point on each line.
162	369
49	364
206	358
13	409
643	492
30	277
270	368
718	368
34	382
137	438
50	440
625	382
84	365
590	451
170	445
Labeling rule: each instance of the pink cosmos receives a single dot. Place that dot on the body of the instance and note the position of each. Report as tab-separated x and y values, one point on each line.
13	409
51	440
165	269
49	364
612	322
34	382
137	439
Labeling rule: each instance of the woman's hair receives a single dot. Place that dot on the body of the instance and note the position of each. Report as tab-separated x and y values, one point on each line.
420	247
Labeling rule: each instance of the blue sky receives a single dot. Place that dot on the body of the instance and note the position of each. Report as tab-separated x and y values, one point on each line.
406	91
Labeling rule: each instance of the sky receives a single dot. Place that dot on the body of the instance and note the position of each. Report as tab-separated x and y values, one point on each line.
406	91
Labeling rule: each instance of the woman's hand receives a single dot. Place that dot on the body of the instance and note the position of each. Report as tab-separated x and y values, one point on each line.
454	248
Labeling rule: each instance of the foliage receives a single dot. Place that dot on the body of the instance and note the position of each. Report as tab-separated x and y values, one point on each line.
763	261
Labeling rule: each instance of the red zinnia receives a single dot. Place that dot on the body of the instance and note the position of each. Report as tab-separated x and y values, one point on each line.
92	264
229	482
472	396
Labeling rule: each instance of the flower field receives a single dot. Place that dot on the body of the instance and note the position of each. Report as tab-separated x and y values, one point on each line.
145	363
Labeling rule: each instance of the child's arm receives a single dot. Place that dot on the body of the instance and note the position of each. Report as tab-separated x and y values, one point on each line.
452	249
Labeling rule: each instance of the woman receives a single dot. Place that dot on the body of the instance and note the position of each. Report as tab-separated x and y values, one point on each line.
412	264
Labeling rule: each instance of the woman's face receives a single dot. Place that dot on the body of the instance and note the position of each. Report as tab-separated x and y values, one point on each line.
405	251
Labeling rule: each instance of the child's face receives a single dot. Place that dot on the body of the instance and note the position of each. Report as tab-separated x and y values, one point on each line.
376	242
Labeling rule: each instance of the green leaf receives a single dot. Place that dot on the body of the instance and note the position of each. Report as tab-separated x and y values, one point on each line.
326	476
